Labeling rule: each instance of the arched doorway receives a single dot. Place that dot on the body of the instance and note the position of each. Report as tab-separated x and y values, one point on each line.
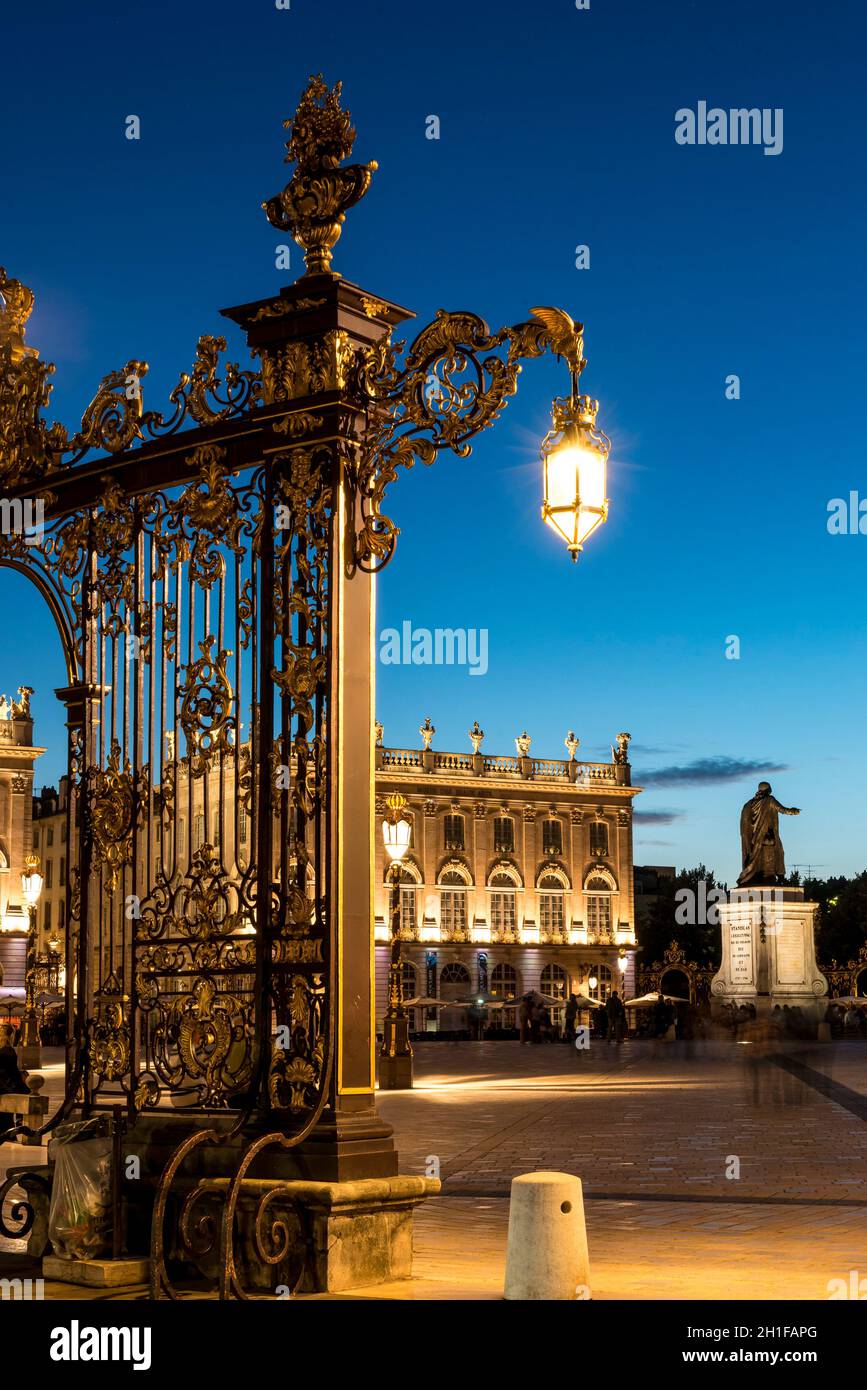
455	983
675	982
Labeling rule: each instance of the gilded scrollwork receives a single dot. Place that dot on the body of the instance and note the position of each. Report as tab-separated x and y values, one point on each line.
110	804
206	703
110	1032
451	385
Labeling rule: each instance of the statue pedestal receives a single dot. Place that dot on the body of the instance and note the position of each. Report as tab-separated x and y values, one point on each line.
768	950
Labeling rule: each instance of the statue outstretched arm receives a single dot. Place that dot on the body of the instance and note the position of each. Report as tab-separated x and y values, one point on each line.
786	810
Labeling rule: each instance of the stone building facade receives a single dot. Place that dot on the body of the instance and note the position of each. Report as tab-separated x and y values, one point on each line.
518	877
17	758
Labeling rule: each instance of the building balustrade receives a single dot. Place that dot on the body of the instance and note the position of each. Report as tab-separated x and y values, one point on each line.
482	764
528	934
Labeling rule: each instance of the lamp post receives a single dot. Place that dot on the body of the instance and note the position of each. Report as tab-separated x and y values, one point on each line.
395	1055
31	885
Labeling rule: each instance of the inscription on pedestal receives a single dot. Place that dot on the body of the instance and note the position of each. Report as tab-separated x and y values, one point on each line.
791	955
741	946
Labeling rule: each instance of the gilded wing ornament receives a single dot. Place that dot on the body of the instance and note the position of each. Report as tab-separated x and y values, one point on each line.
566	336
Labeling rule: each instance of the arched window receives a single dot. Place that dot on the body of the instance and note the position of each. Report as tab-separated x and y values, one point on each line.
453	904
453	827
552	837
553	981
409	978
604	982
504	835
455	974
504	981
551	914
502	888
504	985
597	891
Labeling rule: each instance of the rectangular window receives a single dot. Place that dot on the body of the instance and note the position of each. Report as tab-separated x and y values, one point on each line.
63	833
242	825
61	914
552	837
504	835
62	879
599	913
598	837
503	911
198	832
454	832
49	834
453	909
48	916
407	910
36	839
551	911
49	874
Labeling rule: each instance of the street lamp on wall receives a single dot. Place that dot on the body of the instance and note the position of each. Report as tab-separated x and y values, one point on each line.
31	887
395	1055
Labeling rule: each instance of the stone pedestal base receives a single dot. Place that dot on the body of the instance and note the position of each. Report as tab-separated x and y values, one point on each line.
395	1059
768	950
96	1274
355	1233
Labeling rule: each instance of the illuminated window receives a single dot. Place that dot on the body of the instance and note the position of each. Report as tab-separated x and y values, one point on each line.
504	985
551	911
553	981
407	909
453	909
598	896
502	902
604	981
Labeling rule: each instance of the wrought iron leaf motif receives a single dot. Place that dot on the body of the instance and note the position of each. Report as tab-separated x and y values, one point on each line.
110	1032
206	706
110	801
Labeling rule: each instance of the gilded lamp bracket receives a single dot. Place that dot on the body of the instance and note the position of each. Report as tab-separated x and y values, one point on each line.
452	385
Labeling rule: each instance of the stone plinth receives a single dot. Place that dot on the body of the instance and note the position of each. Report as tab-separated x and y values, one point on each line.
768	950
353	1234
96	1274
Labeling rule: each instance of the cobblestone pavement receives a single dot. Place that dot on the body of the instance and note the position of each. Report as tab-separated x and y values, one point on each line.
652	1131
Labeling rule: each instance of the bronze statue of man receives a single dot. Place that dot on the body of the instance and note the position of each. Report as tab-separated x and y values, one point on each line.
761	846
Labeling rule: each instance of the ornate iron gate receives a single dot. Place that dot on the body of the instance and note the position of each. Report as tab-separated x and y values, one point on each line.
209	573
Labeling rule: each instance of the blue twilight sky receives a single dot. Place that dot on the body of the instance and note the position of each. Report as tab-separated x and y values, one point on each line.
556	129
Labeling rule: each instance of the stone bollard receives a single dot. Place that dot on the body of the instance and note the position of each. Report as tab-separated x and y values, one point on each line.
547	1252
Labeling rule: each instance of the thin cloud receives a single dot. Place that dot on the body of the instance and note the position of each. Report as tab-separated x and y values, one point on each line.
657	817
705	771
